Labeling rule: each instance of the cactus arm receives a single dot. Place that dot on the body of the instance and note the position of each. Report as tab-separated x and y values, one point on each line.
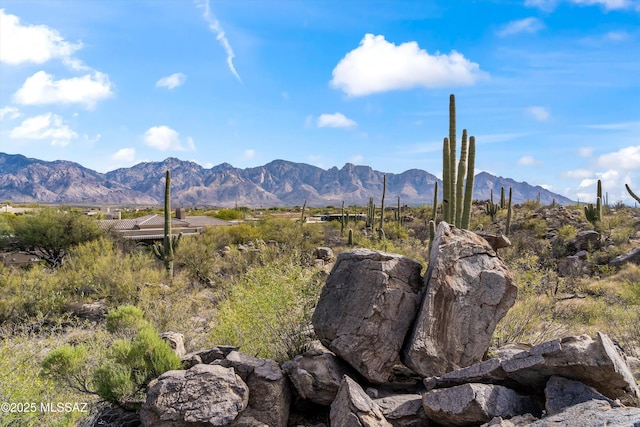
452	158
462	169
507	227
434	214
632	194
384	190
468	189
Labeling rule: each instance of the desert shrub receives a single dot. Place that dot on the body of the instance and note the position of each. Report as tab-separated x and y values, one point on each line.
198	258
98	270
268	311
135	355
227	214
20	381
537	226
530	321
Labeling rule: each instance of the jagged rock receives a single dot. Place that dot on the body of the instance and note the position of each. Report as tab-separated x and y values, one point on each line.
594	362
572	266
630	256
269	396
316	374
366	309
176	341
324	253
560	393
94	311
634	365
206	356
353	408
468	290
586	240
403	410
205	395
594	413
496	241
472	404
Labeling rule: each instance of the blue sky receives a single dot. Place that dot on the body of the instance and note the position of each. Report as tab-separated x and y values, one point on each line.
549	88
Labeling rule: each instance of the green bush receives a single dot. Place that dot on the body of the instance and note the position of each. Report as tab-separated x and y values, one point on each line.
227	214
269	310
128	365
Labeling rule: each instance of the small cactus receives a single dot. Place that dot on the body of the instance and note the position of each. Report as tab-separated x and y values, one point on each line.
491	208
350	237
507	227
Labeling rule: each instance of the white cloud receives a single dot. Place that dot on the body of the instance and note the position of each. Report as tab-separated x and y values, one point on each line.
585	151
358	158
625	158
527	25
164	138
124	155
45	126
528	161
216	28
587	183
379	66
547	187
34	43
546	5
335	120
10	112
607	4
579	173
172	81
616	36
41	89
541	114
550	5
249	153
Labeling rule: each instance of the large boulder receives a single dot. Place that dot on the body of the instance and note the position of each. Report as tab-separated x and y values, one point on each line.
316	374
561	393
473	404
205	395
632	256
594	413
403	410
366	309
468	290
353	408
269	396
594	362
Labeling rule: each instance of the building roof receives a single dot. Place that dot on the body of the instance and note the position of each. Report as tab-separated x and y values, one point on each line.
151	227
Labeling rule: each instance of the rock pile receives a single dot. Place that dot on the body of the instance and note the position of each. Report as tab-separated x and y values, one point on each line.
400	350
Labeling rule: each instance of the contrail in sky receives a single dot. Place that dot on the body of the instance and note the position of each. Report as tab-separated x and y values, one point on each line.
214	26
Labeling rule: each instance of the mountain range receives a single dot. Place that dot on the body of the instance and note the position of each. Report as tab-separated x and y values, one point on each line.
278	183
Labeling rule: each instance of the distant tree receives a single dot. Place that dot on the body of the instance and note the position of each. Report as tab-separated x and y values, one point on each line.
49	233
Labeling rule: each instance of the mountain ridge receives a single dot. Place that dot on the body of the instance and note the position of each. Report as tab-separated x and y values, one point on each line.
277	183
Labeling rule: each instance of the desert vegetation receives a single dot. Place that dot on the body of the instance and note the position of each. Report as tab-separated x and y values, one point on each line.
254	285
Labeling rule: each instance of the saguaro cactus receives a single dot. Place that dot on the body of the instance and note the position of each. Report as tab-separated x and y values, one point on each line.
594	213
164	251
491	208
384	190
507	227
456	201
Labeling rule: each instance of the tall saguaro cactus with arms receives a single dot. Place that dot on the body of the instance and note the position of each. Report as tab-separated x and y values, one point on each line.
458	179
165	251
